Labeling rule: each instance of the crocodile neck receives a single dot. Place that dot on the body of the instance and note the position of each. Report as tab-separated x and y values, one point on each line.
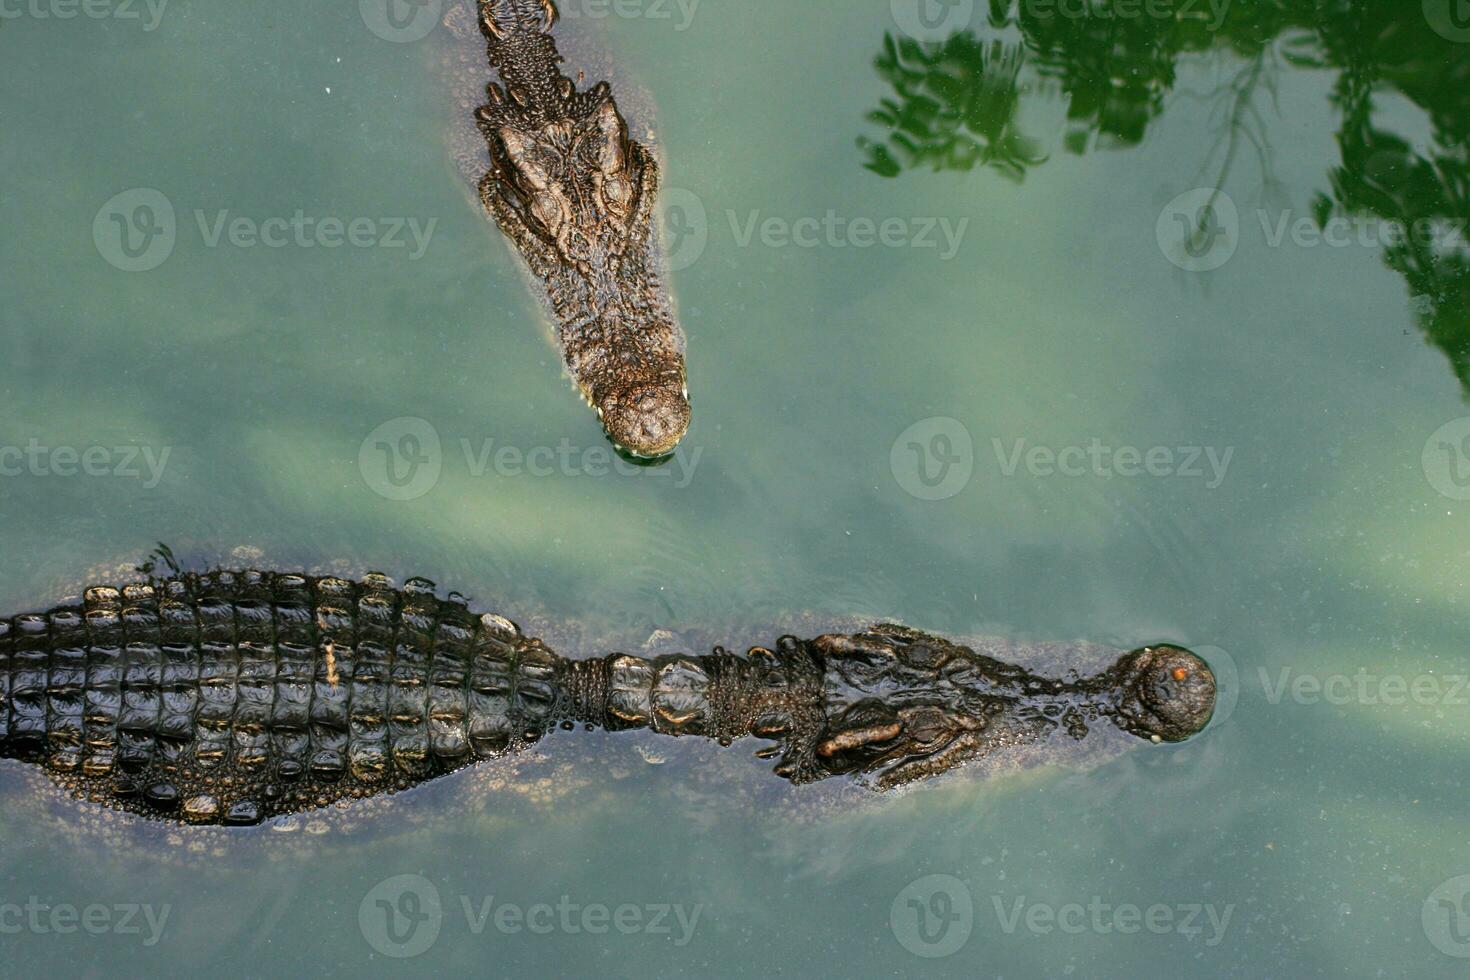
721	695
816	710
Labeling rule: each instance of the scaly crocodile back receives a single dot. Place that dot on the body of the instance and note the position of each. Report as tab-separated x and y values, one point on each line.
235	696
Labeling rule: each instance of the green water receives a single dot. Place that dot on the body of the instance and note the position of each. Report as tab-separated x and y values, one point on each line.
1063	421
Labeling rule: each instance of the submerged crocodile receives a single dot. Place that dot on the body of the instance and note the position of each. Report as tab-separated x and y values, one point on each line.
233	697
575	195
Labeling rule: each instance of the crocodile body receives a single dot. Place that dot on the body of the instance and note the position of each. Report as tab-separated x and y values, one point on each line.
237	696
576	196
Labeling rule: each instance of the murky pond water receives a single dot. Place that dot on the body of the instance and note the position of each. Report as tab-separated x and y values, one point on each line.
1119	322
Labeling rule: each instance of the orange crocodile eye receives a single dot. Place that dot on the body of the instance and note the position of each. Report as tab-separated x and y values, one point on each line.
1180	673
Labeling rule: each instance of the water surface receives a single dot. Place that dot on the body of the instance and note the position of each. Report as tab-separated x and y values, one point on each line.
1032	323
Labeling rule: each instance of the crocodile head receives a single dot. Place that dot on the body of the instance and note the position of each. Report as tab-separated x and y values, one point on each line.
576	195
903	705
1163	693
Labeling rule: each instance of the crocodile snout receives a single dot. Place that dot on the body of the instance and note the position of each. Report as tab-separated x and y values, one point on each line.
1178	689
647	421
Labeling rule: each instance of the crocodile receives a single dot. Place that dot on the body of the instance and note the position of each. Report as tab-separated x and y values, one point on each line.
231	697
576	196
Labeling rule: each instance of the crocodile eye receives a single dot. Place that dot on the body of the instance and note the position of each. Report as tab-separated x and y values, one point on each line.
537	165
547	210
617	191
